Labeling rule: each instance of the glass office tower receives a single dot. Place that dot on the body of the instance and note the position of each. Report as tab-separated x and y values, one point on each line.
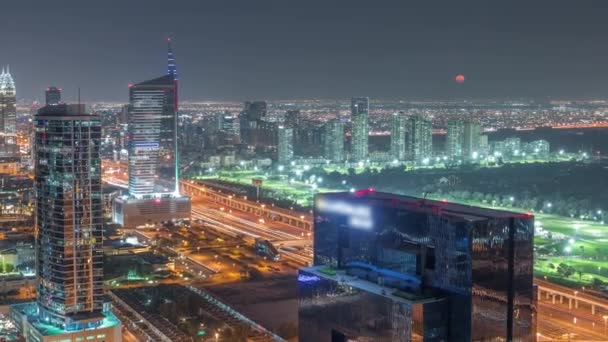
69	258
396	268
152	131
68	214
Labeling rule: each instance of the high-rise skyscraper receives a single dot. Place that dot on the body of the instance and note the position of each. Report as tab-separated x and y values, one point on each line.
52	96
8	107
397	268
455	138
398	128
471	139
419	138
285	146
334	141
68	184
254	130
152	123
227	123
153	152
69	220
359	110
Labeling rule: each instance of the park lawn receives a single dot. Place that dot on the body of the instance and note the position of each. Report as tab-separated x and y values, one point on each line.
572	227
541	241
590	269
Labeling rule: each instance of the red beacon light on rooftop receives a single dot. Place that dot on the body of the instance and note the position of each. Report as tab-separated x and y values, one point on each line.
364	192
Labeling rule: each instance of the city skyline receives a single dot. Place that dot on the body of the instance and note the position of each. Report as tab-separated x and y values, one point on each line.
401	51
323	171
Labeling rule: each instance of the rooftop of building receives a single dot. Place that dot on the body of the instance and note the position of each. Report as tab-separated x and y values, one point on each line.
165	80
30	310
339	275
466	212
65	110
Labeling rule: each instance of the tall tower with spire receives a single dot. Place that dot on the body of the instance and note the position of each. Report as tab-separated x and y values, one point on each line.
8	107
154	194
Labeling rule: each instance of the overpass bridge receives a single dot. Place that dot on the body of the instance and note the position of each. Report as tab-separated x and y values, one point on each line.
574	297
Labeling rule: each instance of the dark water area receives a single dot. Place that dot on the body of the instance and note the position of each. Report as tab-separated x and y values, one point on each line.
570	140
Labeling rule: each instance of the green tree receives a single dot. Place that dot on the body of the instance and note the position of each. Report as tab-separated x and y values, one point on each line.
564	270
596	282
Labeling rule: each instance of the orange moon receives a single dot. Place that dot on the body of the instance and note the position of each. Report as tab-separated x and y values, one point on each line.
459	78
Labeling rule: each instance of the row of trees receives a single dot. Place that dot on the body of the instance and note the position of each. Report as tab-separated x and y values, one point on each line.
569	188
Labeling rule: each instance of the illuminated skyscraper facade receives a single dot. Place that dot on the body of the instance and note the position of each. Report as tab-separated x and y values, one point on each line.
334	141
8	107
419	139
396	268
152	129
359	109
398	128
285	146
69	219
68	213
454	138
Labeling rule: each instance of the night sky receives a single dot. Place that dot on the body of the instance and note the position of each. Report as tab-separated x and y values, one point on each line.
258	49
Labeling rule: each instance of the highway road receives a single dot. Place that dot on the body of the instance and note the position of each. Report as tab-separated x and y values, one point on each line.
558	321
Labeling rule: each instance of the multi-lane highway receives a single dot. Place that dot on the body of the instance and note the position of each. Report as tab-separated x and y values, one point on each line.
233	222
562	319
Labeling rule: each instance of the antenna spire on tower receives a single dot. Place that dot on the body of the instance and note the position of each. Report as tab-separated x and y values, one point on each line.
171	67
